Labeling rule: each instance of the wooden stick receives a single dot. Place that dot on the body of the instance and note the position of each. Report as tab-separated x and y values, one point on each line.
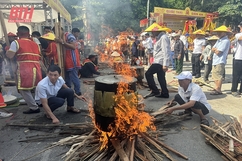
140	156
221	149
157	146
115	154
131	157
128	147
89	152
153	154
117	146
230	135
72	153
169	148
162	109
40	152
211	129
79	125
143	148
19	151
38	138
204	83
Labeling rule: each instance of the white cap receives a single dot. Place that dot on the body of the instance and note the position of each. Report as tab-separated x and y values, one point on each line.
184	75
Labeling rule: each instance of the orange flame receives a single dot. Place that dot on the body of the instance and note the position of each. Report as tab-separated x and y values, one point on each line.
129	121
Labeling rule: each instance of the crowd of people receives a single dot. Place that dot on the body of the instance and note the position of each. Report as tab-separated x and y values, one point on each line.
161	48
158	47
33	54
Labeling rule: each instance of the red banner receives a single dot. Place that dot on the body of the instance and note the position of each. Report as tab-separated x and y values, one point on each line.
21	14
143	22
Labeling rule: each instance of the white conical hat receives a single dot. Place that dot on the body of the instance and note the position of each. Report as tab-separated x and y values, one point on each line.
115	54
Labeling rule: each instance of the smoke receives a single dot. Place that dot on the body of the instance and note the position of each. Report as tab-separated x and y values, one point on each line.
111	13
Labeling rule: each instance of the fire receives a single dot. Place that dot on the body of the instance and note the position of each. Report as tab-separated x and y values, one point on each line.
129	121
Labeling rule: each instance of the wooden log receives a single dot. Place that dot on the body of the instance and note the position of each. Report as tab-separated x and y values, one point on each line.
224	158
78	125
212	130
141	157
153	153
204	83
221	149
117	146
157	146
71	154
128	147
143	148
162	109
86	153
229	135
115	154
169	148
131	157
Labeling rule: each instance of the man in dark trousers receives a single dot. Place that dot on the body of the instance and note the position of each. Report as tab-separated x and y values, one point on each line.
89	68
51	92
160	64
178	53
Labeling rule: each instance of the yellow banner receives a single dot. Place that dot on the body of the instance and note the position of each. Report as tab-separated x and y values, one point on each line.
57	6
186	12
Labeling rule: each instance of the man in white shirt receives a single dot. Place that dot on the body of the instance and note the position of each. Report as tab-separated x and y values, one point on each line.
148	44
52	91
237	63
183	38
199	45
160	65
190	97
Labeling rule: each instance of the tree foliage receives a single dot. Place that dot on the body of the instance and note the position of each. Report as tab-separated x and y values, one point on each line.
122	14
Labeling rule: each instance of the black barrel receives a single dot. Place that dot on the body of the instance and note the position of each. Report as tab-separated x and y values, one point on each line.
105	89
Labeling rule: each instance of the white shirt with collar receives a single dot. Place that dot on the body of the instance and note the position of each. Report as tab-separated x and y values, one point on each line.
238	49
195	93
162	49
45	89
148	43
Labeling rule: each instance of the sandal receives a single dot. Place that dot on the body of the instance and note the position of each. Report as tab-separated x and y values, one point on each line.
205	122
216	93
73	110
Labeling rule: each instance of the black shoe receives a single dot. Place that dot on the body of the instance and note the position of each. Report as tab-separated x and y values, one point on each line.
193	74
163	95
152	94
197	76
30	111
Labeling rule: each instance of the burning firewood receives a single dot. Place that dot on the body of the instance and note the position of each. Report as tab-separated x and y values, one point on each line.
121	130
226	137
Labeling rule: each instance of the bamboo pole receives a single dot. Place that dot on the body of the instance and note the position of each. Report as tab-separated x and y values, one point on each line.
60	47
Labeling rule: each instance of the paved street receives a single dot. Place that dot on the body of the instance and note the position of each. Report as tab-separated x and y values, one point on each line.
185	137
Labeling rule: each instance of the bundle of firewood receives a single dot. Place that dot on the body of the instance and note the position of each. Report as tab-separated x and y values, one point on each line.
226	137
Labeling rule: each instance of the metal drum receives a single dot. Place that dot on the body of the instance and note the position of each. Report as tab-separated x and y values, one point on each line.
105	89
139	72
